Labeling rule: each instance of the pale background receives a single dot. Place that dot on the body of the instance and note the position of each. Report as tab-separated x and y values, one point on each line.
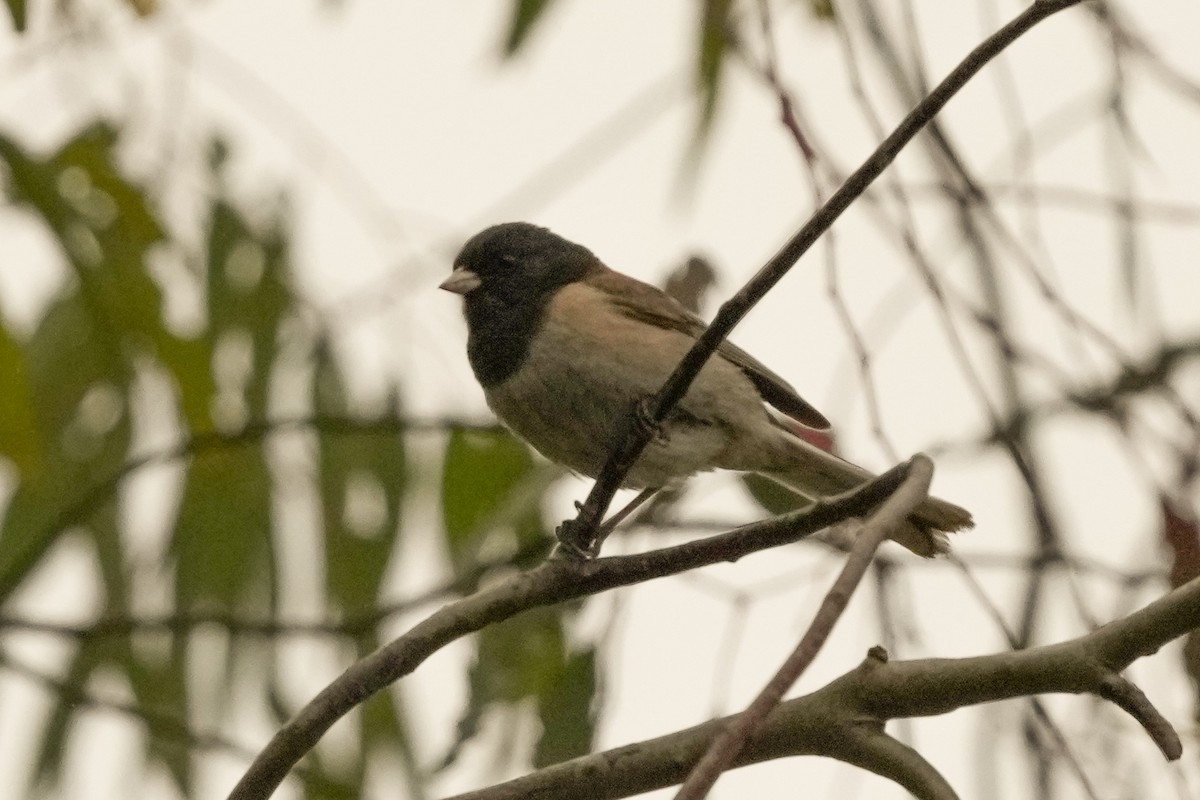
399	132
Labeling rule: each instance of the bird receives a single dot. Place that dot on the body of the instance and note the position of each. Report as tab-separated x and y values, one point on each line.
565	348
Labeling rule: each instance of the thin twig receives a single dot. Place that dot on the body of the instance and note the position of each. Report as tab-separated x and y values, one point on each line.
581	529
891	515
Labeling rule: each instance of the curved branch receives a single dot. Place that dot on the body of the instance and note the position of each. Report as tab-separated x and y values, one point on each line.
553	581
844	719
870	748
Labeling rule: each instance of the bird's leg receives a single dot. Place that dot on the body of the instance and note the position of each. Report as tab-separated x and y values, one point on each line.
567	546
571	535
574	545
616	519
568	543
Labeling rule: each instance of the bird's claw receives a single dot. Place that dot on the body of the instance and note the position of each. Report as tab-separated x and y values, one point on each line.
569	544
570	552
644	421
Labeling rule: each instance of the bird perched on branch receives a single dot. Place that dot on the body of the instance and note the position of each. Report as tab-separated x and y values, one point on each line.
565	348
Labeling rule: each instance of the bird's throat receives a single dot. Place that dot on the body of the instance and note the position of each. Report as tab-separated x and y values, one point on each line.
500	336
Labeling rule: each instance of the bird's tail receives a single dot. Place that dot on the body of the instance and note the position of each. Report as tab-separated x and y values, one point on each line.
814	473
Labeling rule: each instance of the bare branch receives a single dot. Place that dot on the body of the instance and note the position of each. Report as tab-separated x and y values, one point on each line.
844	719
554	581
870	748
580	530
890	515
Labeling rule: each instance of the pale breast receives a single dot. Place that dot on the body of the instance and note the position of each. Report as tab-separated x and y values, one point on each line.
586	368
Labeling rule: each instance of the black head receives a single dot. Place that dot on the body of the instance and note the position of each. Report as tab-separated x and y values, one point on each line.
517	263
506	274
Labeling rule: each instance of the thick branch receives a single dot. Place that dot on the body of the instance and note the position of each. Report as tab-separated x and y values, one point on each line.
840	719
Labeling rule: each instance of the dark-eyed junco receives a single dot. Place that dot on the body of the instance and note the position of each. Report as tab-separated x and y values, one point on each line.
564	347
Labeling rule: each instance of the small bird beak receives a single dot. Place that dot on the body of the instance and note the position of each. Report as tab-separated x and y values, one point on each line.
461	281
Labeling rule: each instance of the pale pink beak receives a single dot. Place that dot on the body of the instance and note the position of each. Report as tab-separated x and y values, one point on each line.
461	281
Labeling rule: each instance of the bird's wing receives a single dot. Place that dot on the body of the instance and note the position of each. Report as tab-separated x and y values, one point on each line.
645	303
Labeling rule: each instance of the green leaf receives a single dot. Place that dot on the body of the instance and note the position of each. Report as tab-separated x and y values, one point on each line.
386	734
771	496
135	226
26	534
67	357
87	658
17	8
103	223
823	10
249	269
566	713
222	538
362	478
710	58
525	14
381	735
521	657
19	436
491	492
107	227
319	784
190	363
65	418
78	385
160	687
111	557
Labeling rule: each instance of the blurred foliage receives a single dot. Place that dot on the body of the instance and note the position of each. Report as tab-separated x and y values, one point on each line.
18	11
822	9
202	621
527	660
75	406
774	498
73	411
190	621
525	13
711	50
712	44
490	486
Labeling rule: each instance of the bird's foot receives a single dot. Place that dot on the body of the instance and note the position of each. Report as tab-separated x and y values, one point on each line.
571	540
644	422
